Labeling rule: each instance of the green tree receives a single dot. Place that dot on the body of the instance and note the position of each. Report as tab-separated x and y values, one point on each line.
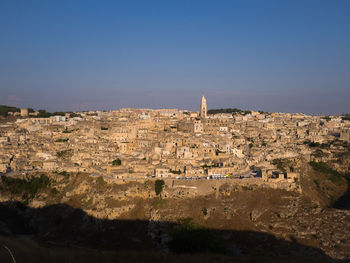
44	114
158	186
4	110
116	162
72	115
205	211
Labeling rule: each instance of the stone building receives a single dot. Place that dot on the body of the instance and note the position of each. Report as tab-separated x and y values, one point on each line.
203	112
24	112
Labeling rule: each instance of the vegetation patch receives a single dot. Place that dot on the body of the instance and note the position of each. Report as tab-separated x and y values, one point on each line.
4	110
346	117
116	162
281	165
208	166
62	140
158	186
65	153
333	175
190	237
204	211
28	188
73	115
175	172
229	110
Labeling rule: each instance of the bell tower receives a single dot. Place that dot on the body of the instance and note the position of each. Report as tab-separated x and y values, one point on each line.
203	112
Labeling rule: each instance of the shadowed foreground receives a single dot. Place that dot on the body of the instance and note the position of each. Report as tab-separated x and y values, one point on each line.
60	233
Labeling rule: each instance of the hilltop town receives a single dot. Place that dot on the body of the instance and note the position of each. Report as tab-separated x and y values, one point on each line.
274	176
170	143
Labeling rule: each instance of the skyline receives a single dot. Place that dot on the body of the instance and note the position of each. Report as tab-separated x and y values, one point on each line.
89	55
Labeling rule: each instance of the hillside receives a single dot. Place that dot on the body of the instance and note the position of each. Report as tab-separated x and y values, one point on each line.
70	211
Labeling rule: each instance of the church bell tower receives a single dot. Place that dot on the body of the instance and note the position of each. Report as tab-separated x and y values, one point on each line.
203	112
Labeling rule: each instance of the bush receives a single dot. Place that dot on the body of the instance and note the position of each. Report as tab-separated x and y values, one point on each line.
116	162
158	186
72	115
205	211
229	110
28	189
59	113
44	114
4	110
62	140
189	237
175	172
64	153
280	164
346	117
323	168
334	176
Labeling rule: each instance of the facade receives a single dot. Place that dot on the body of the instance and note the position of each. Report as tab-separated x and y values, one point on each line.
24	112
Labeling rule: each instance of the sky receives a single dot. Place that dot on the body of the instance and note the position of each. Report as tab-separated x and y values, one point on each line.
270	55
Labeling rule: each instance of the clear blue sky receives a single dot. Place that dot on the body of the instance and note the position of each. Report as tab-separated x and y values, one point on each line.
289	56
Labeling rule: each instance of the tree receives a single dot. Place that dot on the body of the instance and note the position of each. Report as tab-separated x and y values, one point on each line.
158	186
72	115
205	211
4	110
43	114
116	162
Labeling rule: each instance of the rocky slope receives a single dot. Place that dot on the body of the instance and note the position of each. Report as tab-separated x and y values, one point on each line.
77	210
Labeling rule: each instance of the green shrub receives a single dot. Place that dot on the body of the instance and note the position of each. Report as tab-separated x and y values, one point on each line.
175	172
205	211
346	117
158	186
189	237
116	162
64	153
28	188
72	115
334	176
4	110
62	140
280	164
44	114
